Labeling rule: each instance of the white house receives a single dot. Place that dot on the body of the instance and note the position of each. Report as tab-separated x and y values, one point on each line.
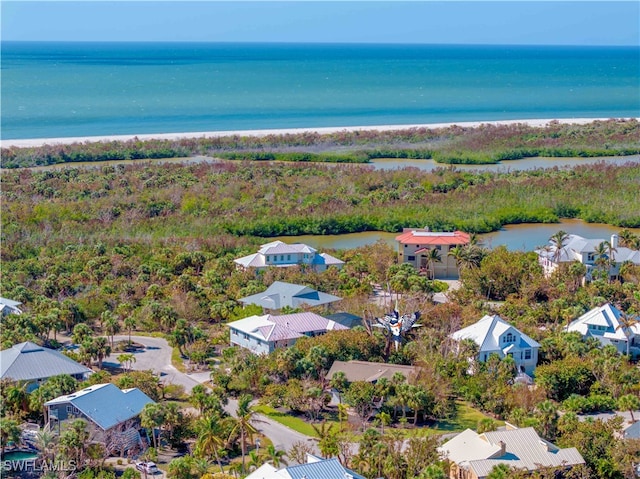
314	468
9	306
492	334
577	248
283	255
603	323
263	334
473	455
281	294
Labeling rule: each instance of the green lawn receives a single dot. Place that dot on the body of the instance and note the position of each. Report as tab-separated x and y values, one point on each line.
292	422
466	417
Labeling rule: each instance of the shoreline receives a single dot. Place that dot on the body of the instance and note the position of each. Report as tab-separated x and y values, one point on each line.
37	142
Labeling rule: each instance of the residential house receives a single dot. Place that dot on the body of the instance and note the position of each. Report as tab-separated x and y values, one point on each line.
315	468
284	255
263	334
366	371
281	294
369	371
577	248
603	323
111	415
473	455
415	245
8	306
35	364
492	334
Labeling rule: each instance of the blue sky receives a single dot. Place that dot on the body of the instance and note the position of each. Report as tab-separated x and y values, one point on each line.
461	22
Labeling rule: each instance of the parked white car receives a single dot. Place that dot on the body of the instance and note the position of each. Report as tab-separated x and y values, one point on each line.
148	467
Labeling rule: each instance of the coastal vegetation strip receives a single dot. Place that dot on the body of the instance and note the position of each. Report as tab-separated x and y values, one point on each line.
226	204
483	144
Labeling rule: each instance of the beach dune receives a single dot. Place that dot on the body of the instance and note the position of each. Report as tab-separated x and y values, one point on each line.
36	142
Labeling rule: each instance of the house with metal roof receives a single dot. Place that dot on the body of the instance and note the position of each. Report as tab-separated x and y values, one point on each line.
474	455
111	413
283	255
9	306
263	334
35	364
583	250
493	334
369	371
315	468
281	294
415	245
603	323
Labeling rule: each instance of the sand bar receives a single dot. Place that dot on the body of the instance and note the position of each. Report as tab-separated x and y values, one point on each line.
35	142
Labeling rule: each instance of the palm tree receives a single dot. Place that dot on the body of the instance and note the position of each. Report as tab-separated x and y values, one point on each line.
558	240
209	438
629	402
433	257
499	471
627	323
110	324
126	359
275	456
243	425
100	349
152	416
9	432
602	258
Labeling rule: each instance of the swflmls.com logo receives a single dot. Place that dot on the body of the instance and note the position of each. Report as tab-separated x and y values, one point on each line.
34	465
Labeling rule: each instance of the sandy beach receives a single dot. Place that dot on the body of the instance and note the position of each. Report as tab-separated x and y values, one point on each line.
35	142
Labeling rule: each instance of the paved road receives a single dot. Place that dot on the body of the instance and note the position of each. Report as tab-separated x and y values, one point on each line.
156	356
281	436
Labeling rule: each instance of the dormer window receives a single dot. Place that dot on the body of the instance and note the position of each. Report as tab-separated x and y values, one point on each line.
508	338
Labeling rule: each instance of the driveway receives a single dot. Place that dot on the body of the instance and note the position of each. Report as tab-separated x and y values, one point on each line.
156	356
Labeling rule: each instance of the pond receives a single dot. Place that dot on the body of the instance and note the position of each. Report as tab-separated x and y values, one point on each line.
504	166
384	163
523	237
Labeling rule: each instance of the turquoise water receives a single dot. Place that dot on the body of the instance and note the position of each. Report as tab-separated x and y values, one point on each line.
86	89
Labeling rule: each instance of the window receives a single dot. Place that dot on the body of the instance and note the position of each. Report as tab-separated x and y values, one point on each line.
245	336
268	258
509	338
288	257
72	409
439	247
411	258
590	256
527	354
281	257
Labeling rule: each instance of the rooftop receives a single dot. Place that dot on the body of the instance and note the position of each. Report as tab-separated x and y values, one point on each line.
424	237
105	404
28	361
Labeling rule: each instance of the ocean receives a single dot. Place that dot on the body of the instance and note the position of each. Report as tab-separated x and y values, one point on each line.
96	89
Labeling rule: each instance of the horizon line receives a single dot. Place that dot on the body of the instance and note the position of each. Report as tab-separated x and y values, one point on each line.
250	42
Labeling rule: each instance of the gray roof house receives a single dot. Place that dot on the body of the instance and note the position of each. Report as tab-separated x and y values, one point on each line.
35	364
494	335
263	334
603	323
281	294
110	412
369	371
9	306
315	468
282	255
577	248
473	455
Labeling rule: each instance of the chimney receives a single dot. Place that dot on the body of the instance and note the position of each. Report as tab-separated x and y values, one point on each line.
503	448
614	240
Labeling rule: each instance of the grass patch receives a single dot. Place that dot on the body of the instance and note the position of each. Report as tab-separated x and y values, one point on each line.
467	417
176	360
292	422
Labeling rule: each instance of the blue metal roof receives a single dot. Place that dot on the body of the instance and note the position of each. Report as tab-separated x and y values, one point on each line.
323	469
